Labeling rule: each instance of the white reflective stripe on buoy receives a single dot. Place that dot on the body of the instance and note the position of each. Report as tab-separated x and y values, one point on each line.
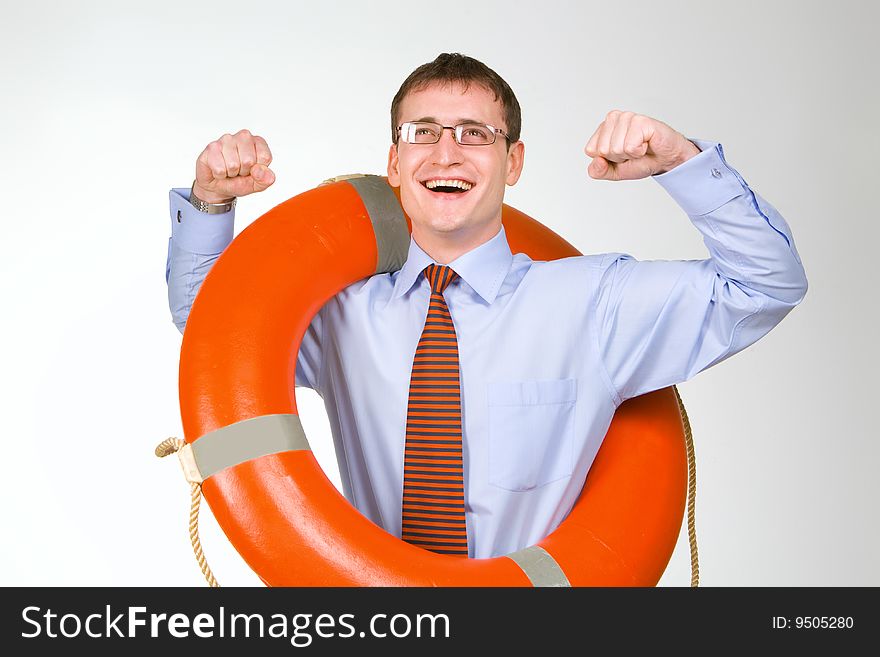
539	566
389	223
240	442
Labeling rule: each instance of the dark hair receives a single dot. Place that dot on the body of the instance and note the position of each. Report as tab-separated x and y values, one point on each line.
457	68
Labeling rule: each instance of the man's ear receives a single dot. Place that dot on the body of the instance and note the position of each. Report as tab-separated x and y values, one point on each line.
515	157
393	168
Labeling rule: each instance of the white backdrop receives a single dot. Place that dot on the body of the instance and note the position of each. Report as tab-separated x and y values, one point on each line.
106	105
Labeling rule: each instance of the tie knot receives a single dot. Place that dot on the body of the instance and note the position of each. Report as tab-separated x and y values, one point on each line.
439	276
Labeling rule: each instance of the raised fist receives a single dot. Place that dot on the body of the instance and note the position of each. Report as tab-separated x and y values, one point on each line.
628	146
234	165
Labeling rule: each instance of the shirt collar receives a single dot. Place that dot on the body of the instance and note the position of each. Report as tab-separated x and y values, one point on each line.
483	268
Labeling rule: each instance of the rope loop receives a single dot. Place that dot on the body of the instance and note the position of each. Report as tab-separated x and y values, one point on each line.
172	446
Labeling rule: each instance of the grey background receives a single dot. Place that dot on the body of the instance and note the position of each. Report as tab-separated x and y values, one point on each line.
106	106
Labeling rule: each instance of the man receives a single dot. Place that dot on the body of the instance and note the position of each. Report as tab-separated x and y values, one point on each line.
531	358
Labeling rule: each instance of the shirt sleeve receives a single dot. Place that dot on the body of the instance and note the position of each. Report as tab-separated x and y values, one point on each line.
661	322
197	240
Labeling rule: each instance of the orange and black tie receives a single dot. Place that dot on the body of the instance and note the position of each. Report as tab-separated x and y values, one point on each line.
433	480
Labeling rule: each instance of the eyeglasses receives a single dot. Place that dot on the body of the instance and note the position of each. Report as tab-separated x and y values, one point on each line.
466	134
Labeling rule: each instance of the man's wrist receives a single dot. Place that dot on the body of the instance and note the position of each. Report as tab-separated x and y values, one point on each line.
689	150
209	203
209	197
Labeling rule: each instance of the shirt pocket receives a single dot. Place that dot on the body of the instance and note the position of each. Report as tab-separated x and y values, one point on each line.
531	432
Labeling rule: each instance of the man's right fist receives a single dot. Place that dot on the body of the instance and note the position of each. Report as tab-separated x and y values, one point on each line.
234	165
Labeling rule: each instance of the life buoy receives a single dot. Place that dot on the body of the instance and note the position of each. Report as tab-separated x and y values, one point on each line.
268	492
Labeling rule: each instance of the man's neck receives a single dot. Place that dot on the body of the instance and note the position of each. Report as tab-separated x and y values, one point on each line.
444	249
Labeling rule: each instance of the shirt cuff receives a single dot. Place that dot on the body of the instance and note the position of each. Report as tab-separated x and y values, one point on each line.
198	232
704	183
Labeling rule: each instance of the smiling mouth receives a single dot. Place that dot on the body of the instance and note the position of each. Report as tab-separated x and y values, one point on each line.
448	186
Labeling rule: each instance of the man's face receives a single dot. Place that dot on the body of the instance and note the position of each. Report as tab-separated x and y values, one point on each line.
468	217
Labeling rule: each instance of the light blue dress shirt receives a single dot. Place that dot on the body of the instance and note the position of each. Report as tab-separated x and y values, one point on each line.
548	350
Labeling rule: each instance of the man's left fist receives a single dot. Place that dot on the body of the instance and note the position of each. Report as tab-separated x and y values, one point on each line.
629	146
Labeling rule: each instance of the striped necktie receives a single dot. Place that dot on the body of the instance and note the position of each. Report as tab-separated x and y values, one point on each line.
433	481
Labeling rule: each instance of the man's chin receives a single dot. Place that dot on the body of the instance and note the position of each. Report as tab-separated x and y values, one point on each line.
446	226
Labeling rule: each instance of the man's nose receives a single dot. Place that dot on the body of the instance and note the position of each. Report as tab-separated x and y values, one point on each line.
447	150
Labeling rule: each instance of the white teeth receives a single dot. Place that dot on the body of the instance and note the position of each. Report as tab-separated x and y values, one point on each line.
461	184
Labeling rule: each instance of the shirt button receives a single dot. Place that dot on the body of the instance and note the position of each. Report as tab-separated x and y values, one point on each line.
716	173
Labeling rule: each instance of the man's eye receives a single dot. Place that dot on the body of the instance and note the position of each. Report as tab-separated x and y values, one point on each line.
475	132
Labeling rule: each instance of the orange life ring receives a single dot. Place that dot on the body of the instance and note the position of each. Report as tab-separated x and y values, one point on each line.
265	486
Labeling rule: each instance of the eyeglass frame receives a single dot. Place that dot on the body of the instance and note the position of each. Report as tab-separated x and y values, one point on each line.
456	133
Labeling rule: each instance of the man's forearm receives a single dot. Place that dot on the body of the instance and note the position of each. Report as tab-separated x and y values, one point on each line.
749	241
197	239
185	273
